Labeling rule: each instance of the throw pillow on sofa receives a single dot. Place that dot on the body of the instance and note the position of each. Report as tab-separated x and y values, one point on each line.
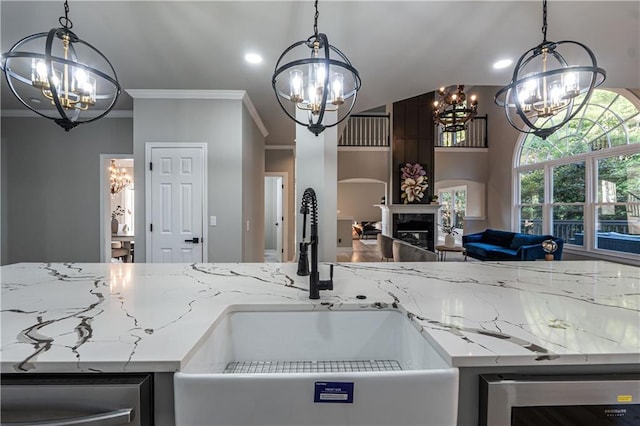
520	240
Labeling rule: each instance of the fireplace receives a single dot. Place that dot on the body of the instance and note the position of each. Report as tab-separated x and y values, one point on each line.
414	223
415	228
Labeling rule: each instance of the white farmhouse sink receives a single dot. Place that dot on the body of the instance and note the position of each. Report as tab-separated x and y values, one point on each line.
348	367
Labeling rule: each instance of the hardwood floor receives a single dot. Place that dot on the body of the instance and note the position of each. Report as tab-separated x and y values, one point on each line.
367	251
363	251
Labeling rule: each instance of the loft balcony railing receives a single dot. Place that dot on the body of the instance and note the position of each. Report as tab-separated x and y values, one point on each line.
366	130
474	136
373	130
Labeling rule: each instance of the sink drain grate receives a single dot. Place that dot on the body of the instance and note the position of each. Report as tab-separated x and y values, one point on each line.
311	366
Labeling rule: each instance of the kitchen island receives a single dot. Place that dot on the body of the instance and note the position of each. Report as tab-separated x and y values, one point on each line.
548	317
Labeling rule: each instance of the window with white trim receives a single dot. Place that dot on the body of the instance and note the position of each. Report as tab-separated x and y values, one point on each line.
453	210
582	183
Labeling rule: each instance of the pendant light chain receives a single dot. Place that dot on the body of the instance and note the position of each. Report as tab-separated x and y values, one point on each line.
544	21
64	20
315	20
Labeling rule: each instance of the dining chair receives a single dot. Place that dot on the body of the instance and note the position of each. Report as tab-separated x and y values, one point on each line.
405	252
119	252
385	247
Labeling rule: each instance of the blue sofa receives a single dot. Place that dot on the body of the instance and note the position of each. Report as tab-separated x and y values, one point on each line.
492	244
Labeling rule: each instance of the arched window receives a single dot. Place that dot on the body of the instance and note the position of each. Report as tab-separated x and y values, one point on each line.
582	183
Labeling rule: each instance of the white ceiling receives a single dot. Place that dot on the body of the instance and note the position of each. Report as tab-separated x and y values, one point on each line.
401	48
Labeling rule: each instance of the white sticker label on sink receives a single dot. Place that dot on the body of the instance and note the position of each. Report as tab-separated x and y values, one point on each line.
334	392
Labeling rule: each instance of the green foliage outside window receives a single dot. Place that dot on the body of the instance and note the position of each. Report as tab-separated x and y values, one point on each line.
454	207
532	187
569	183
608	120
623	172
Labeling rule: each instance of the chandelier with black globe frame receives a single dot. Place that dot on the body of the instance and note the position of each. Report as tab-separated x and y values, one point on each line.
329	82
542	94
50	79
452	110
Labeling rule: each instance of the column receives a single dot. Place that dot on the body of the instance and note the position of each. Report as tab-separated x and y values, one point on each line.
317	168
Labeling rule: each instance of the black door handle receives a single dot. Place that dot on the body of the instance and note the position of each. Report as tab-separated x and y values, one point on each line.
194	240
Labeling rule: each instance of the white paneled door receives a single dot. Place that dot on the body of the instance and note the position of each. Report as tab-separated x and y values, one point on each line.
177	197
279	218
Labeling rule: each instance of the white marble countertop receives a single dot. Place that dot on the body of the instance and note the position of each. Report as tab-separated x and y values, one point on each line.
149	317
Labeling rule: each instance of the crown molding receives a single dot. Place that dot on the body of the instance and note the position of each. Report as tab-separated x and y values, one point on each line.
254	114
161	94
185	94
203	94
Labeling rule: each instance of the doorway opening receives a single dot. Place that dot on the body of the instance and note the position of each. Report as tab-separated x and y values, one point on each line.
275	218
452	212
117	211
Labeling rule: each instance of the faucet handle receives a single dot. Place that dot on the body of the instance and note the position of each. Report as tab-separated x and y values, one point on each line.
327	284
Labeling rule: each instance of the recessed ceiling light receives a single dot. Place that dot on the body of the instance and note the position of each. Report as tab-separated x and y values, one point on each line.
253	58
502	63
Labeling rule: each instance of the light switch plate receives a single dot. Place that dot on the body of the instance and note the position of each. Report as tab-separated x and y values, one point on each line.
213	220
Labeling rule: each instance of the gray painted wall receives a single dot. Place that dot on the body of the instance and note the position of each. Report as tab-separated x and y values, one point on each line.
218	123
502	141
252	189
460	166
363	164
452	165
51	187
357	200
282	160
493	168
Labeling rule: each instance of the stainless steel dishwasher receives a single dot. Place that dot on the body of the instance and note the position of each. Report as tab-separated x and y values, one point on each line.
76	399
569	400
